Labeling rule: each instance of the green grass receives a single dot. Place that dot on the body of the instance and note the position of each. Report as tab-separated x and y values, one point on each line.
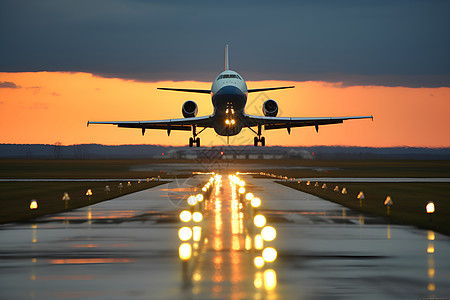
15	197
67	169
362	168
409	200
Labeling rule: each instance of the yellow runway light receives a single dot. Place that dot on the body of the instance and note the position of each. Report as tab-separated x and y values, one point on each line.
185	251
197	217
185	216
268	233
256	202
269	254
259	221
185	233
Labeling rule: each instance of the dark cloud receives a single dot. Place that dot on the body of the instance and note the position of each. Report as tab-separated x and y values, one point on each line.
9	85
390	43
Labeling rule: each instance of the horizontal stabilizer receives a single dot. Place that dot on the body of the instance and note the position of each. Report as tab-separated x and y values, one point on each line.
270	89
187	90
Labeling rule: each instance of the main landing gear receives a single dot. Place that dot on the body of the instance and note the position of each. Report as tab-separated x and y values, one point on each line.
261	140
195	140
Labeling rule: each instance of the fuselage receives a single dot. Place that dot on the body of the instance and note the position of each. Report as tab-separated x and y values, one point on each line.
229	97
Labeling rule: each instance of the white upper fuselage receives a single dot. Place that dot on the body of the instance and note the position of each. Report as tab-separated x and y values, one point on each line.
229	96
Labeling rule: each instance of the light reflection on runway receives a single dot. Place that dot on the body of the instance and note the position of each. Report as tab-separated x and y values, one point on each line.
127	248
224	265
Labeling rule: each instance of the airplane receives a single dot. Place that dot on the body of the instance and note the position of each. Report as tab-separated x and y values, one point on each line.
229	96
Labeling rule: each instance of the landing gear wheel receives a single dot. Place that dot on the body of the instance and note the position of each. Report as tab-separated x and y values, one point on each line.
255	142
197	141
263	141
191	142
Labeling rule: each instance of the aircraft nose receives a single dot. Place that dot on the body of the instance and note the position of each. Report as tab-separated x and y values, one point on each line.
230	91
230	96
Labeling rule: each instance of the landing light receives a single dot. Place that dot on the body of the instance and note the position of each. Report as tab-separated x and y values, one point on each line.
227	122
430	207
233	121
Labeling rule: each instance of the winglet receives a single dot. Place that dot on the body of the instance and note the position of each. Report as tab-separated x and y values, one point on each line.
227	63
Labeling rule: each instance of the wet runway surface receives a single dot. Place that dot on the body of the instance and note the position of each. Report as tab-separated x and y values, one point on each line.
129	248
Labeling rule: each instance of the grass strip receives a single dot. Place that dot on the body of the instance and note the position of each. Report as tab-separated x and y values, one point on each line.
409	200
15	197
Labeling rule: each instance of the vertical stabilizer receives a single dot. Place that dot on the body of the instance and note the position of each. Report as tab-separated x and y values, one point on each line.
227	66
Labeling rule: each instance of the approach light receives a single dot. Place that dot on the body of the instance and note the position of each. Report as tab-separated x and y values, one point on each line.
242	183
259	221
268	233
430	207
197	216
259	262
232	121
249	196
185	251
33	204
269	254
185	233
256	202
192	200
185	216
89	192
227	122
204	189
241	190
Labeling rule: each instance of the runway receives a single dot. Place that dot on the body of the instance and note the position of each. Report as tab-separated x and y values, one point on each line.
128	248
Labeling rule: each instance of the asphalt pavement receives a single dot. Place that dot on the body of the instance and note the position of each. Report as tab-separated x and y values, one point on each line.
129	248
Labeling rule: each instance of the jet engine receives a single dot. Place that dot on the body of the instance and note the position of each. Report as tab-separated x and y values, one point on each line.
189	109
270	108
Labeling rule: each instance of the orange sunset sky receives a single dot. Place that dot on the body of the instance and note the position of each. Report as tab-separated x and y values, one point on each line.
49	107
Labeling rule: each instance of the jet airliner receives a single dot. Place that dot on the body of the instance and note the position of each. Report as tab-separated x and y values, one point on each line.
229	96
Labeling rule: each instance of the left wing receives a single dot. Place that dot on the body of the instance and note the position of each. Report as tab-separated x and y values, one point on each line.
288	123
184	124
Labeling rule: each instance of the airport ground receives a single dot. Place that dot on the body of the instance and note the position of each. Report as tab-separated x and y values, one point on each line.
136	247
409	198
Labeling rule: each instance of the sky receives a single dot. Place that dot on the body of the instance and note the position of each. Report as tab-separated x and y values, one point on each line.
63	63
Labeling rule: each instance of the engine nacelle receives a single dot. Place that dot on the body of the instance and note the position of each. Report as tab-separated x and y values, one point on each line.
270	108
189	109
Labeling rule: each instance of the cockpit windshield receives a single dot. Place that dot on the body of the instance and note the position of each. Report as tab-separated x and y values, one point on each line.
229	76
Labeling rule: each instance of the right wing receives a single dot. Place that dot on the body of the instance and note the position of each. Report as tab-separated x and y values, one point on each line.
184	124
288	123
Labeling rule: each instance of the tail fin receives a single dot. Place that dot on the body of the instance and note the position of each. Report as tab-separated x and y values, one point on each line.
227	66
